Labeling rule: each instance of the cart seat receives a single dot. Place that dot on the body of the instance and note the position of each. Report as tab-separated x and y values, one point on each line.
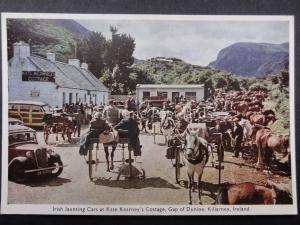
123	136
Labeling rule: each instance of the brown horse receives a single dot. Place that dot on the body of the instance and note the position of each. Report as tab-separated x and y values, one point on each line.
261	119
268	142
245	194
241	107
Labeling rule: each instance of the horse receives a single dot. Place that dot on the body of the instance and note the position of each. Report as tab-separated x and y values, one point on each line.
196	154
167	125
283	192
245	194
247	129
268	142
262	119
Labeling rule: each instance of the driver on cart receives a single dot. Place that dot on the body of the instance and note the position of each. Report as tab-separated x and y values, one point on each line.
129	124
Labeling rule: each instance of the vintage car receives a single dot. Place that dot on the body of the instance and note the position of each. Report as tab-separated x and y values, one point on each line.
26	158
30	112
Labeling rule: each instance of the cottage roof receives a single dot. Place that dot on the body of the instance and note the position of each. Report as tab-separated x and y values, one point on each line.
67	75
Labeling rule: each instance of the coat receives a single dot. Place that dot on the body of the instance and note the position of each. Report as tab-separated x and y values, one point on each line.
133	133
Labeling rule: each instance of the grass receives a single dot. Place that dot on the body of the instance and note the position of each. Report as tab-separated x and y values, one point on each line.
278	126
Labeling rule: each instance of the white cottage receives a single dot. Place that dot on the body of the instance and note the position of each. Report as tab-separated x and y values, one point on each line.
170	91
35	78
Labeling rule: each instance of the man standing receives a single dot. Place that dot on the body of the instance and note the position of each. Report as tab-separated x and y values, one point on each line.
111	113
238	137
130	104
78	119
225	129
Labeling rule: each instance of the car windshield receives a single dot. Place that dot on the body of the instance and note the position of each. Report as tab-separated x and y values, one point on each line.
47	108
22	137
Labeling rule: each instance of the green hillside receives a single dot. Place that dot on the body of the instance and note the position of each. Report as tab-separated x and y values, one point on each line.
43	36
175	71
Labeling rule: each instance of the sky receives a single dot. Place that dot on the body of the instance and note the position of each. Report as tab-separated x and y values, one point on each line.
196	42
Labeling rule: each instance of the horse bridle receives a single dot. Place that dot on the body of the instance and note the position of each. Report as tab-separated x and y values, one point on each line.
195	153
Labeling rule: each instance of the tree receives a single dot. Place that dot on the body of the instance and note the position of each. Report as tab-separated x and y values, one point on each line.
120	50
92	51
119	53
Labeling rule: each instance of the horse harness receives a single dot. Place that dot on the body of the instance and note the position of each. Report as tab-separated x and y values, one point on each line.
200	156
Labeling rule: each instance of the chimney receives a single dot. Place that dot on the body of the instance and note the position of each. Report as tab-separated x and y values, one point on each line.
51	56
85	66
21	49
74	62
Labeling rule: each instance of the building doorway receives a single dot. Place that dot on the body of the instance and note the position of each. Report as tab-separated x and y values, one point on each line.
70	98
175	97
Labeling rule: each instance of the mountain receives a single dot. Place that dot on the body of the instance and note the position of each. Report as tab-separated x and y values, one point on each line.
74	27
57	36
253	59
137	61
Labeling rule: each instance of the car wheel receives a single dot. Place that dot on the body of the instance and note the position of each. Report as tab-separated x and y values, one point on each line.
17	172
56	161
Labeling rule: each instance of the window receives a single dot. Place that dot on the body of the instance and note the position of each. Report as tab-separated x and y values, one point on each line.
12	107
146	94
190	96
22	137
84	98
162	94
76	97
24	108
103	98
46	108
36	108
64	98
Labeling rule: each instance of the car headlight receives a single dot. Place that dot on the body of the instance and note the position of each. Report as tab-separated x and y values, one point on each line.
50	151
29	155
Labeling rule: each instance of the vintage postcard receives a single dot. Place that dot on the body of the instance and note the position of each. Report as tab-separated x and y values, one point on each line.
148	115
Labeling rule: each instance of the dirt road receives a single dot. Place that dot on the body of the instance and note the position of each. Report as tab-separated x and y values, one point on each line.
73	186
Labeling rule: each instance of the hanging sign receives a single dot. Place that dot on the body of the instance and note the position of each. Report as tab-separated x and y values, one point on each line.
35	93
41	76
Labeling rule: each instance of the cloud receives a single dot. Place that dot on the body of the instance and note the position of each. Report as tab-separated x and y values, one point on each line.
196	42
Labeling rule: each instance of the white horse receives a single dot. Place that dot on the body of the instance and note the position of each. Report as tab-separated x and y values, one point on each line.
196	153
247	129
167	124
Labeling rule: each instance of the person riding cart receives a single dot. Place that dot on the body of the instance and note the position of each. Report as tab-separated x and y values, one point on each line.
128	123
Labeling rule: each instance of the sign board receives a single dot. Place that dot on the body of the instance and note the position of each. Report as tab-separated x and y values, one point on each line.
41	76
35	93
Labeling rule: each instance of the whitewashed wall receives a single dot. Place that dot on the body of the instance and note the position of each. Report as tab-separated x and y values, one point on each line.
21	90
153	92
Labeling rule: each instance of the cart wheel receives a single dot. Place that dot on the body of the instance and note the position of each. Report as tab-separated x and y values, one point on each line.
143	174
177	165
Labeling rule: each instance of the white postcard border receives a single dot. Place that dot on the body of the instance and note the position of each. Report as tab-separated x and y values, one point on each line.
142	209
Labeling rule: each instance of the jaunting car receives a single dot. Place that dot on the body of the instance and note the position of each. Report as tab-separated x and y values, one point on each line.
26	158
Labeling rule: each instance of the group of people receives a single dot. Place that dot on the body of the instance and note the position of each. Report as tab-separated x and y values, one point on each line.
110	119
